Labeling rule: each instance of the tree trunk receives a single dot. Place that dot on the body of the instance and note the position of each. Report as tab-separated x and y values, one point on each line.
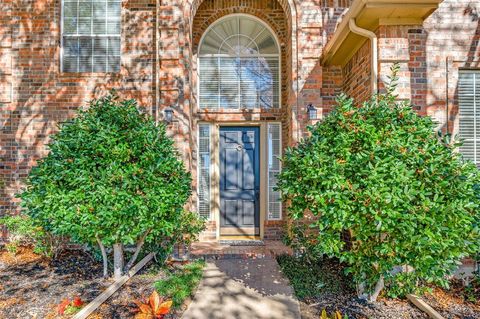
117	261
378	288
364	295
140	243
361	294
104	257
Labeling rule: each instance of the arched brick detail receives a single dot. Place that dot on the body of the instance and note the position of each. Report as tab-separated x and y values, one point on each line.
190	9
273	15
206	16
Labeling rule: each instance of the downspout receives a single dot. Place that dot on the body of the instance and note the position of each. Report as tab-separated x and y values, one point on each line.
157	62
374	46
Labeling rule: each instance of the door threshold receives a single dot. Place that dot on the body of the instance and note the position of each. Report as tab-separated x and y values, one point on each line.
230	242
238	238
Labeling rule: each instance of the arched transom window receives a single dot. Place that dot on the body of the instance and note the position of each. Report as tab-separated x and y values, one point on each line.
239	65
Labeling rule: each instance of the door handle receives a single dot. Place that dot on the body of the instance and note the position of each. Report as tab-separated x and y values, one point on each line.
257	194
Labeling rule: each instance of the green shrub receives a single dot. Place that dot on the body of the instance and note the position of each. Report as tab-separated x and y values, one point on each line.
377	188
112	178
22	231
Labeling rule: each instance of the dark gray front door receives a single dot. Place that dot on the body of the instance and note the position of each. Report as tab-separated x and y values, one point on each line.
239	180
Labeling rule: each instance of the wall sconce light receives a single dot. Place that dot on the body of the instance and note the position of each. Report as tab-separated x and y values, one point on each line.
168	115
312	112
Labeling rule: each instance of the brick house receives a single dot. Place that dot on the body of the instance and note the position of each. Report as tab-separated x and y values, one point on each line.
237	76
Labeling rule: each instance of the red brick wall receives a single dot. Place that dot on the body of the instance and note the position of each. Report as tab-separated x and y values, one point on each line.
357	74
405	45
35	96
41	96
453	34
430	56
317	23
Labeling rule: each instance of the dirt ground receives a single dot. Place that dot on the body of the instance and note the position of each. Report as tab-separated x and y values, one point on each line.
33	287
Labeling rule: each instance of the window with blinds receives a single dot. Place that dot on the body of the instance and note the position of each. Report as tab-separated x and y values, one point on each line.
469	114
204	179
239	65
91	35
274	166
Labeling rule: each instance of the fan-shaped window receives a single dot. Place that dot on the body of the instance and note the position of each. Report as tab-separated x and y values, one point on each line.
239	65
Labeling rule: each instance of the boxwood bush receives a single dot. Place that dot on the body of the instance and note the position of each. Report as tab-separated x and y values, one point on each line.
112	178
376	187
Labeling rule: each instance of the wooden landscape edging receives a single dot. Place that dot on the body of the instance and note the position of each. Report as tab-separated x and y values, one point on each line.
92	306
422	305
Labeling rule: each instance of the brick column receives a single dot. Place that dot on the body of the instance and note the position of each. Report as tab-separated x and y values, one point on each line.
406	45
173	80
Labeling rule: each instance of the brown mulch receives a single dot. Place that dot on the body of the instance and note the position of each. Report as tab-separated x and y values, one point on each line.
33	287
451	303
348	304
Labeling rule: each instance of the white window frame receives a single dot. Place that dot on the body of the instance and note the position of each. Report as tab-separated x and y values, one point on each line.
277	55
62	16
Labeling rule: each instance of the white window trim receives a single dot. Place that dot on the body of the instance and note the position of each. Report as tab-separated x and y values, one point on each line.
62	36
279	55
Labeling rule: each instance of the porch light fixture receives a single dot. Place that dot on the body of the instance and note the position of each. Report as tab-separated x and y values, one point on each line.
312	112
168	115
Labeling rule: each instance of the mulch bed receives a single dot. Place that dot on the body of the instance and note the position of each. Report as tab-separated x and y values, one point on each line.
338	294
451	304
347	303
33	287
448	306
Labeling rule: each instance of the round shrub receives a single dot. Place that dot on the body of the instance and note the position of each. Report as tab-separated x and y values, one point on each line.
112	178
377	188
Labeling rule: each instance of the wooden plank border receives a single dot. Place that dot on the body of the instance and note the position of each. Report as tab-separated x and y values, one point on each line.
92	306
422	305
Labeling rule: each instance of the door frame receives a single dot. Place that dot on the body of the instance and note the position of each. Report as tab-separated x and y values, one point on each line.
215	168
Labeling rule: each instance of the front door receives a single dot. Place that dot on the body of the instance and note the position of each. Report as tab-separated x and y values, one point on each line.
239	181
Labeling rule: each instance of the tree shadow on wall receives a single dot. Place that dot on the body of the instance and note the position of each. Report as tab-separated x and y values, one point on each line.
450	43
43	97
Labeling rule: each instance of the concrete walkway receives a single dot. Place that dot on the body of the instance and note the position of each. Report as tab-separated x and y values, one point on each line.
243	289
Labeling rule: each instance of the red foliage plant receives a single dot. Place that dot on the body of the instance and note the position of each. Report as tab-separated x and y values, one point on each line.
70	306
153	308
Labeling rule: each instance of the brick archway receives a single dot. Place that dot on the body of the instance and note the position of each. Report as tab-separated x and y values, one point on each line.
281	16
190	11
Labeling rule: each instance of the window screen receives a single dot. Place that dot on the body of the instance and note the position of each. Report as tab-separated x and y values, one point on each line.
91	35
239	65
469	114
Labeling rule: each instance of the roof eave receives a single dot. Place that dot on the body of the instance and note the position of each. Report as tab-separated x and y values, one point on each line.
369	14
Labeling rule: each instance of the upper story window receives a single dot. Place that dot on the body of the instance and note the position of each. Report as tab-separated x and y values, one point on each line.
91	35
469	114
239	65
